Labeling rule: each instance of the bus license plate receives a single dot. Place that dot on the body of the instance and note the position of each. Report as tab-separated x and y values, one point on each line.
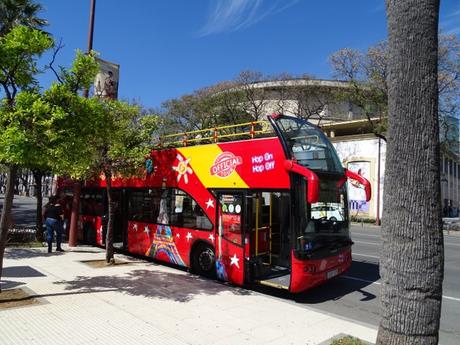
331	274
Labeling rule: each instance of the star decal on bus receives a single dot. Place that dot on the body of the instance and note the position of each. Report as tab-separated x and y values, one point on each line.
211	237
189	236
135	227
183	169
147	230
234	260
209	203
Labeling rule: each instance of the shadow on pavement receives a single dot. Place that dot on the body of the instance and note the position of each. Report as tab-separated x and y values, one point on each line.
360	275
28	253
54	294
151	284
9	284
21	272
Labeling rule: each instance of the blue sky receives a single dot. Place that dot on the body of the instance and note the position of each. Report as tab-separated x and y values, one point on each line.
168	48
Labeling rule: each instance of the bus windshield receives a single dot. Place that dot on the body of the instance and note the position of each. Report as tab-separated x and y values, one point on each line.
309	146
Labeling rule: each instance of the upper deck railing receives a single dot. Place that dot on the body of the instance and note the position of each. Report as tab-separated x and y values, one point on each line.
247	130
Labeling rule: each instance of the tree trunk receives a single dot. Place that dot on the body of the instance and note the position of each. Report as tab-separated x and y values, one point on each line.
38	194
74	215
111	211
412	257
6	212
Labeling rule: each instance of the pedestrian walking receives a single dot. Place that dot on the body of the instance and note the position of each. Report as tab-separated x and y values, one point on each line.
53	215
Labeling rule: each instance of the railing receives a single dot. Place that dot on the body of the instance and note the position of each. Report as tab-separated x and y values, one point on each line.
217	134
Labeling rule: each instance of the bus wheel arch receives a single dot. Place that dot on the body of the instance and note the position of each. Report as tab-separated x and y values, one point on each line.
203	259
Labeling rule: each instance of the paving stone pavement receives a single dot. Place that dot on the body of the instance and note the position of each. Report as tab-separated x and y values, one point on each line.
147	303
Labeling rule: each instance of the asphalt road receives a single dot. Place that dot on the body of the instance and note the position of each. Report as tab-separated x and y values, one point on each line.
356	294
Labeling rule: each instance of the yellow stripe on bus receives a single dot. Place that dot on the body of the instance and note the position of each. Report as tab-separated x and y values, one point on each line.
202	158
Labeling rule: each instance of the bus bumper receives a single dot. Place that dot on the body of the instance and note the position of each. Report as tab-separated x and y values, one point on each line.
306	274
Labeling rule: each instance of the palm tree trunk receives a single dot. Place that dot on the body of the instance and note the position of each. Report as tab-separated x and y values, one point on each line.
412	257
6	212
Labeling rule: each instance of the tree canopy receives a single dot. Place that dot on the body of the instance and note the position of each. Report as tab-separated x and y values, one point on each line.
20	12
367	72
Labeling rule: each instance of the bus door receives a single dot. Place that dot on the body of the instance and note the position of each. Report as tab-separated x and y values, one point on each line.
268	224
232	238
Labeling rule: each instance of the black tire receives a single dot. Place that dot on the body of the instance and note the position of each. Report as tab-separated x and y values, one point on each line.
204	261
333	219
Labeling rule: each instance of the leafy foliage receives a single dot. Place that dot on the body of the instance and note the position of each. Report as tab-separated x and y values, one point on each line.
19	50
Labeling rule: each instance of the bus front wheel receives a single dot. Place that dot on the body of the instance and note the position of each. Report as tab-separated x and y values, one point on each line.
204	261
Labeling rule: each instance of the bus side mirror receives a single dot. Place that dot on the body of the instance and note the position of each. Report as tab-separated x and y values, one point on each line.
310	176
366	184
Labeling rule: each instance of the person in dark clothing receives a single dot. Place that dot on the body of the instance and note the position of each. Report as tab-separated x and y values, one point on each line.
52	213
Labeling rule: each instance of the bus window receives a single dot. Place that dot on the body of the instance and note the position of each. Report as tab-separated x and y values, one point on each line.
164	211
232	206
329	214
309	146
144	205
92	202
186	213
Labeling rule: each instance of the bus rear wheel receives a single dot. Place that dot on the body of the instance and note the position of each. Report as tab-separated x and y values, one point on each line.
204	261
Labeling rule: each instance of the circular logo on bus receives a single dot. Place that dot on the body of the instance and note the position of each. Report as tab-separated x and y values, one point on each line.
225	164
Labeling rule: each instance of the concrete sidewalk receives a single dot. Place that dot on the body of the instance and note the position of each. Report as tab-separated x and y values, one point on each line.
146	303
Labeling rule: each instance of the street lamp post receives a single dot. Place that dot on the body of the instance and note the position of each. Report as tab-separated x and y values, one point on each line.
77	184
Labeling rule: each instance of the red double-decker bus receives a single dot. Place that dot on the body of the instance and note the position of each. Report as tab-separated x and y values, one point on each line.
269	209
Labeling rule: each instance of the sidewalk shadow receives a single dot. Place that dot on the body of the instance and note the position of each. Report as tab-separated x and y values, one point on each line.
152	284
360	275
27	253
21	272
10	284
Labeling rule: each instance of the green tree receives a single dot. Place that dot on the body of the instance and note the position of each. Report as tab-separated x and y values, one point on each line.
412	258
19	50
367	74
215	106
121	145
25	13
19	12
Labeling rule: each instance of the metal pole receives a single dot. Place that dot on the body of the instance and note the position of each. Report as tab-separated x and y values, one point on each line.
77	185
91	25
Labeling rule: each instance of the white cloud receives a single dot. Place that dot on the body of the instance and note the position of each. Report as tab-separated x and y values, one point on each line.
234	15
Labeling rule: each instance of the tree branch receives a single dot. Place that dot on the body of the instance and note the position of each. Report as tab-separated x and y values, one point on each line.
50	66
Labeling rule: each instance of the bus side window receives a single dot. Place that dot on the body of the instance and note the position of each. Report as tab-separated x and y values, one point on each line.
187	213
164	212
231	217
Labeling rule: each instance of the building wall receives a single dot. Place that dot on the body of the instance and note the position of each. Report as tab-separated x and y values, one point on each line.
450	184
361	156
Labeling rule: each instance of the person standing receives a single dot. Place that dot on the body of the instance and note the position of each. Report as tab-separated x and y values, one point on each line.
53	214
